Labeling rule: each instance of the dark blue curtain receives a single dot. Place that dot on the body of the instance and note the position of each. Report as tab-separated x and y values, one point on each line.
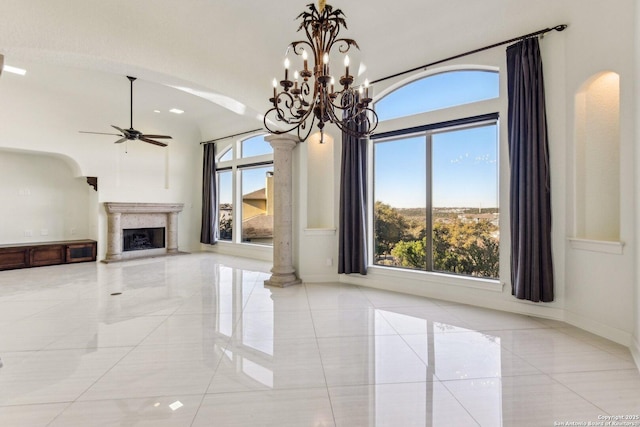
209	230
530	191
352	234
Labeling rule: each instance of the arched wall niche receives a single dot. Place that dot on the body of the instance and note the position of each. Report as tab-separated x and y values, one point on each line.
76	170
320	181
44	197
597	144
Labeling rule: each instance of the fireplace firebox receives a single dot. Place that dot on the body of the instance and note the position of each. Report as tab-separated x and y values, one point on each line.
138	239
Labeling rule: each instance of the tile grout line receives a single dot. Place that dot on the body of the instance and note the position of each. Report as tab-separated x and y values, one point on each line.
324	372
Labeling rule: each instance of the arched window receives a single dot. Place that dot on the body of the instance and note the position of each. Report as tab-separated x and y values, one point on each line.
436	185
255	146
245	191
226	156
439	91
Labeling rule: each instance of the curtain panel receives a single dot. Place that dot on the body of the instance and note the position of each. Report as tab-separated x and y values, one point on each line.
352	234
209	229
530	191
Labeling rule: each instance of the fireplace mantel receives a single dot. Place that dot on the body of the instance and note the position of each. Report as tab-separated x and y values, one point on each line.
113	207
140	215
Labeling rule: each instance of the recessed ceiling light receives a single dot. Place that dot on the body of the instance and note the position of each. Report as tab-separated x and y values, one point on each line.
156	111
14	70
176	111
176	405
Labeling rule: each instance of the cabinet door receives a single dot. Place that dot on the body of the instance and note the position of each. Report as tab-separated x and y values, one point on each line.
47	255
14	258
81	252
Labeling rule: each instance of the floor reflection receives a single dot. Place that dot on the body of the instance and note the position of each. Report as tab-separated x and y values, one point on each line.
362	351
199	337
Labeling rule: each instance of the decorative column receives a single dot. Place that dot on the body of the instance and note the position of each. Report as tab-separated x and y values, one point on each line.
172	232
283	273
114	240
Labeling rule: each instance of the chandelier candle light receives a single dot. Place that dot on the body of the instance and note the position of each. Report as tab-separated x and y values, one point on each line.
301	103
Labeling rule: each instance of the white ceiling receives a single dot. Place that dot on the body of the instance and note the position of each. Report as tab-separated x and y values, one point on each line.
229	51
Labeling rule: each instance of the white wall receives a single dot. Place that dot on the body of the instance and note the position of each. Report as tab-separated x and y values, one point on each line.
635	347
41	199
600	285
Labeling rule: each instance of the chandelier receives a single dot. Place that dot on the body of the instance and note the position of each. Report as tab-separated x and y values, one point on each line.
314	95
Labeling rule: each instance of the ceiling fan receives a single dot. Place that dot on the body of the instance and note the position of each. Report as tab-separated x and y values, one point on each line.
131	134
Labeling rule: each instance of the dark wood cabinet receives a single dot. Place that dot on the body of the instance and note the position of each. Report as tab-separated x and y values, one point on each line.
46	255
13	258
81	252
27	255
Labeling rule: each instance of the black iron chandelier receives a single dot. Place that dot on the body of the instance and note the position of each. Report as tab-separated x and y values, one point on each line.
301	102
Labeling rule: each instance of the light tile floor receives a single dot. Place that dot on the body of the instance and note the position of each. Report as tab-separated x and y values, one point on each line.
197	340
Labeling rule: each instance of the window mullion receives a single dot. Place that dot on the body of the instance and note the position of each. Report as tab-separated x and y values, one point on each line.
429	205
237	205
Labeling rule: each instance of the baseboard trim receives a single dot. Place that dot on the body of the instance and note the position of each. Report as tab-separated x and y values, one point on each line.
635	352
244	250
614	334
320	278
462	294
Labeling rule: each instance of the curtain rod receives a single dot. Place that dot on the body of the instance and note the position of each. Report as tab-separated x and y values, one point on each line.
561	27
230	136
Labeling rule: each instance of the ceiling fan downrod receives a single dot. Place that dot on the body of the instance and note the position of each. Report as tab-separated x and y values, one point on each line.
131	80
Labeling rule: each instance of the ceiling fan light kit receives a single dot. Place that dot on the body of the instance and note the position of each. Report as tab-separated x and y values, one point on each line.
132	134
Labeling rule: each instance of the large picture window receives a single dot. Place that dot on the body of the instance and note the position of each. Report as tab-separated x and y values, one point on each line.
436	201
245	188
436	204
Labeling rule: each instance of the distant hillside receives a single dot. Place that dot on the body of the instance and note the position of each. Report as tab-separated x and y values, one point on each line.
421	213
413	212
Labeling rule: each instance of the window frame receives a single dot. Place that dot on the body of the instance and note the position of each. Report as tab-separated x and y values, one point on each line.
236	165
427	132
474	114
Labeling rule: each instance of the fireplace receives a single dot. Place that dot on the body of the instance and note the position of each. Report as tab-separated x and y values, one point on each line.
140	239
138	230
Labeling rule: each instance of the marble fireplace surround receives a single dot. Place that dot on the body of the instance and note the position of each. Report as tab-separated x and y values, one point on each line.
140	215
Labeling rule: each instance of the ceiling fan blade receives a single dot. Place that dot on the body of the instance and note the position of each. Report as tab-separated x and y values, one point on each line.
151	141
157	136
99	133
121	140
120	129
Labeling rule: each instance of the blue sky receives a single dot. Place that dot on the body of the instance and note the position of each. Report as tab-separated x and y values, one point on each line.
464	169
253	178
465	162
439	91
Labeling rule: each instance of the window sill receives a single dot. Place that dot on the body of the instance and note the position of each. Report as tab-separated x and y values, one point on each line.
247	250
320	231
494	285
231	243
602	246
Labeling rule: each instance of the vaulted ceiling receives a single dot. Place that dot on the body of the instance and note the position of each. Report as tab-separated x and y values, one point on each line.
224	54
